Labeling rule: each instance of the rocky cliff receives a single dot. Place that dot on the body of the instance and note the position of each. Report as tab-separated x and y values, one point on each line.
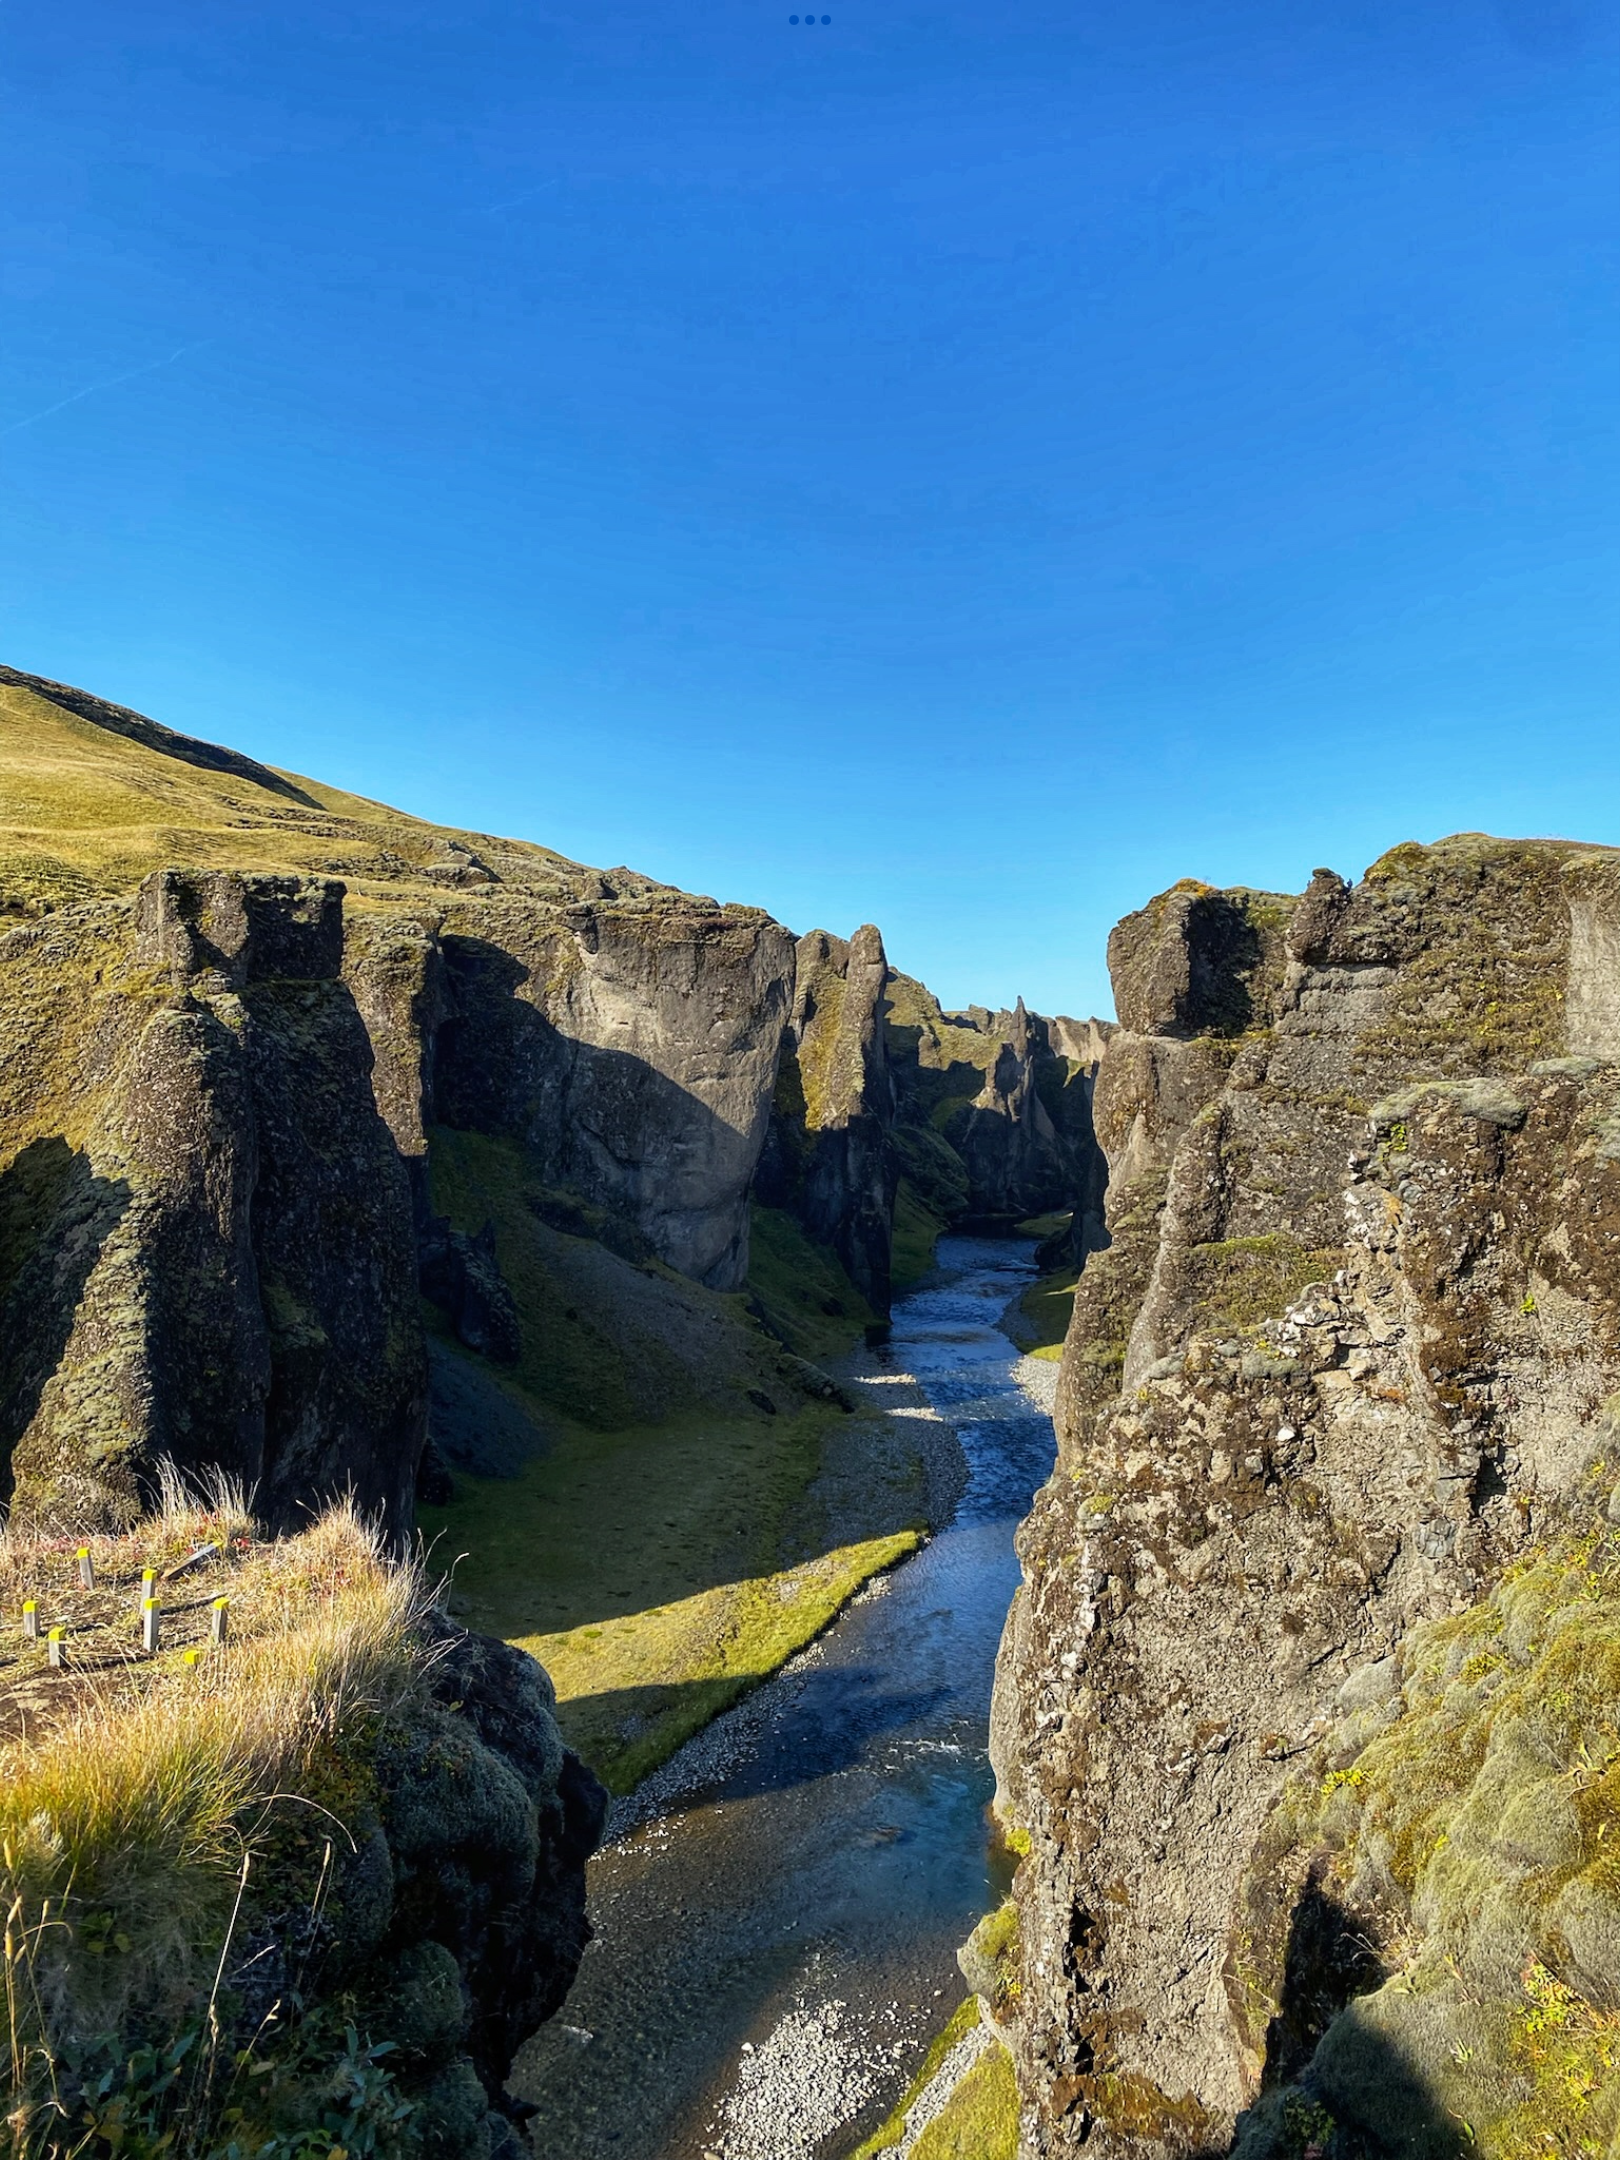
992	1118
235	1008
245	1016
1305	1713
829	1157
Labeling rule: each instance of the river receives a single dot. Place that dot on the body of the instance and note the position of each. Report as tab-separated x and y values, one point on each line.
775	1948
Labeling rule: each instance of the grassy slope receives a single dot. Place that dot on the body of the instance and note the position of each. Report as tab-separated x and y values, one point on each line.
917	1230
134	1793
980	2119
85	812
667	1550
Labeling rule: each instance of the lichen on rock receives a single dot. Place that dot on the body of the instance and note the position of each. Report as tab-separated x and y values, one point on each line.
1328	1416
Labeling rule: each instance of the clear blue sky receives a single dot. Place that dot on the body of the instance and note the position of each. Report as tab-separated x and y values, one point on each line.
964	466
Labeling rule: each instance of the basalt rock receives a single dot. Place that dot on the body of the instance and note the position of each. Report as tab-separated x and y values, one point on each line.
829	1157
206	1248
993	1112
1342	1368
630	1048
456	1916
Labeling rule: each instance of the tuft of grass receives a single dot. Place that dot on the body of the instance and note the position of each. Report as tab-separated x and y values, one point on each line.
1240	1282
136	1793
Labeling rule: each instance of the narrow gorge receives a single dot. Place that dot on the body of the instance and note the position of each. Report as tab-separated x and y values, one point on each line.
597	1347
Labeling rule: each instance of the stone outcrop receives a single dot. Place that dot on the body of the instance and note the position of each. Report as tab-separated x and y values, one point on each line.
1342	1366
632	1049
205	1228
993	1111
461	1917
829	1157
214	1206
456	1916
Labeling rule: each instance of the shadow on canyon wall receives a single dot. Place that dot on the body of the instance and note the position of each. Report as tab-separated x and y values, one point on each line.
604	1123
56	1215
1334	2086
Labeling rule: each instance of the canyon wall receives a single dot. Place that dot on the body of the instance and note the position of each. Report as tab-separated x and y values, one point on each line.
254	1029
1304	1715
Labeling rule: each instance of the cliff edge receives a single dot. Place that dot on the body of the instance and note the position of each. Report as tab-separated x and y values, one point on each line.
1305	1713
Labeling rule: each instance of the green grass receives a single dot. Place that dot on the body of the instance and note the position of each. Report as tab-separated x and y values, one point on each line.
980	2119
648	1571
602	1375
629	1693
654	1557
917	1230
1045	1226
962	2021
86	811
1041	1320
808	1298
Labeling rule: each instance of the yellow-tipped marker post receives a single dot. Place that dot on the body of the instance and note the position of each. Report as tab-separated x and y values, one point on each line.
87	1569
220	1621
30	1620
55	1649
149	1626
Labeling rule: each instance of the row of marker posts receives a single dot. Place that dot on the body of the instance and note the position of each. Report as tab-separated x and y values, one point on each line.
151	1616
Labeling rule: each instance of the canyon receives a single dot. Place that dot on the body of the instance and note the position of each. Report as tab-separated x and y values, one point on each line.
347	1157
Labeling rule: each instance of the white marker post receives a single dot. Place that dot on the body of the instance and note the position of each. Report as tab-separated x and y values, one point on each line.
219	1626
87	1569
149	1626
55	1652
30	1620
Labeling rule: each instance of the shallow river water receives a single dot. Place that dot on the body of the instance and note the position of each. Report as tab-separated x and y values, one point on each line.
776	1947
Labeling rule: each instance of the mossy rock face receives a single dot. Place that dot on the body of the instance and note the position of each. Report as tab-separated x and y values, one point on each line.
989	1959
423	2008
827	1158
1469	1837
453	2116
1328	1401
193	1180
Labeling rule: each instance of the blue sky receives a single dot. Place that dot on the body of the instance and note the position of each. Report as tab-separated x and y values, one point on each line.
962	467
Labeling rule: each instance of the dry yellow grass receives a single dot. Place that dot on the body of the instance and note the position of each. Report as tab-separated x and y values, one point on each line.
134	1790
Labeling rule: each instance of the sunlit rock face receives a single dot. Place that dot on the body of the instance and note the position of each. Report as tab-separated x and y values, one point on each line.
1346	1369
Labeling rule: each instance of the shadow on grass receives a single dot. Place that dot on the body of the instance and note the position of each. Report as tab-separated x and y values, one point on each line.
834	1721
